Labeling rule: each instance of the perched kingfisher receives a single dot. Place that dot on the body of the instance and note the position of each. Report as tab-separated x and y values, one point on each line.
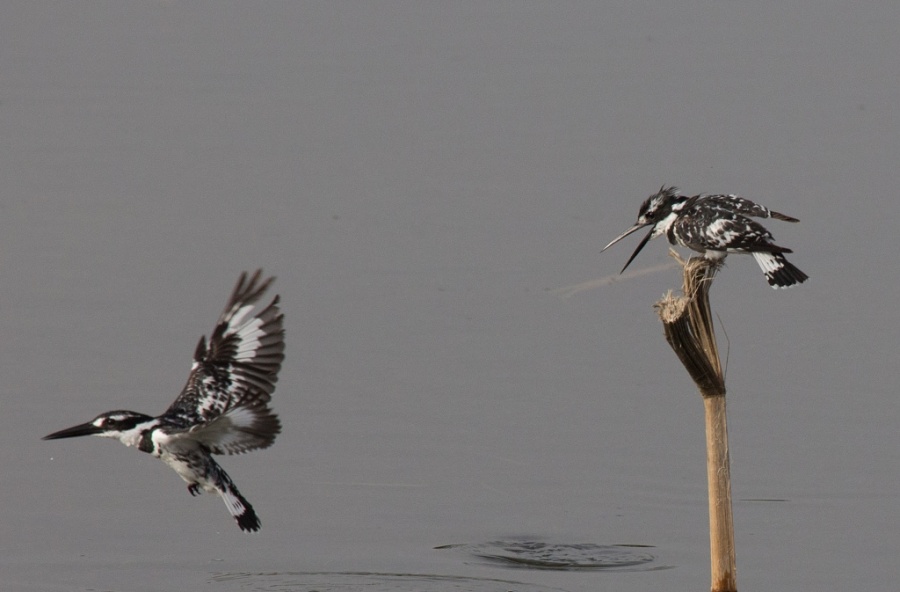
223	408
715	225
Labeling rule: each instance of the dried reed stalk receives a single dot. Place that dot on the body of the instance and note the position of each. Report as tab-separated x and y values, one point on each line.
688	326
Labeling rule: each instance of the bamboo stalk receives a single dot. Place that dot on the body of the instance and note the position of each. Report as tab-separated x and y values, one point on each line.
687	322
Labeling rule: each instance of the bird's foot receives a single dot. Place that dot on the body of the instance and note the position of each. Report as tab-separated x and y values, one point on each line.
194	488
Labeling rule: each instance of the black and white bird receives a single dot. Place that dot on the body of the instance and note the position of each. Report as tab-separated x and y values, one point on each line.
223	408
715	225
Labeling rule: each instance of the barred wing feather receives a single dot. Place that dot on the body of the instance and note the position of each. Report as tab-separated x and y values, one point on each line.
224	403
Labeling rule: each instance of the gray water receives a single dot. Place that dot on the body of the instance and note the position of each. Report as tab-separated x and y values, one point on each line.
426	180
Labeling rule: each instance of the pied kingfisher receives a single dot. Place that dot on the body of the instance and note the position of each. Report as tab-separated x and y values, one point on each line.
715	225
223	408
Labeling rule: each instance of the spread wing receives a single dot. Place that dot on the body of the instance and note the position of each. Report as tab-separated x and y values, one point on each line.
224	404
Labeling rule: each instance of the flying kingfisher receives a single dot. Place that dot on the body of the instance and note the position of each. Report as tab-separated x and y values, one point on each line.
715	225
223	408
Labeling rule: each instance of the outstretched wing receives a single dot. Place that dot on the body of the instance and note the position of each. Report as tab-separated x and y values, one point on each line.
224	404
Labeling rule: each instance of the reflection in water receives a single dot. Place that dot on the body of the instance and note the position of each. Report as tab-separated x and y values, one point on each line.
531	554
372	582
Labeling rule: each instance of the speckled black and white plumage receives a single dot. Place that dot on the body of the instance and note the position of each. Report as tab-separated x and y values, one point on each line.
224	404
223	408
716	225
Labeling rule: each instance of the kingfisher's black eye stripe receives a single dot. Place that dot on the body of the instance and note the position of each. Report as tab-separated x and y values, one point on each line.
223	408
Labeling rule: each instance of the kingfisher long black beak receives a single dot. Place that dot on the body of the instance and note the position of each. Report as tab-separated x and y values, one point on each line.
640	246
84	429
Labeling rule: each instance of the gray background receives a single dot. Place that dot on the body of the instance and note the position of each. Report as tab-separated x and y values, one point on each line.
423	178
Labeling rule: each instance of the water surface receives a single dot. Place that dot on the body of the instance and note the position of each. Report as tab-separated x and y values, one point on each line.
423	180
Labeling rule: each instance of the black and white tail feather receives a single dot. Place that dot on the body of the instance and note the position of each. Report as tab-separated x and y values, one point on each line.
223	408
716	225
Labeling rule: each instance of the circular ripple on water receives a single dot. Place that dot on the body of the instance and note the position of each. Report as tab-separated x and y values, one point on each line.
530	554
370	582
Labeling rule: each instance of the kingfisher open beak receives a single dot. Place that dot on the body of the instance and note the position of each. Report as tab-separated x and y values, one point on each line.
84	429
640	246
631	230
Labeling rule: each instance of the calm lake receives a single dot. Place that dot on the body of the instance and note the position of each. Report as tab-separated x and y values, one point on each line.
466	406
